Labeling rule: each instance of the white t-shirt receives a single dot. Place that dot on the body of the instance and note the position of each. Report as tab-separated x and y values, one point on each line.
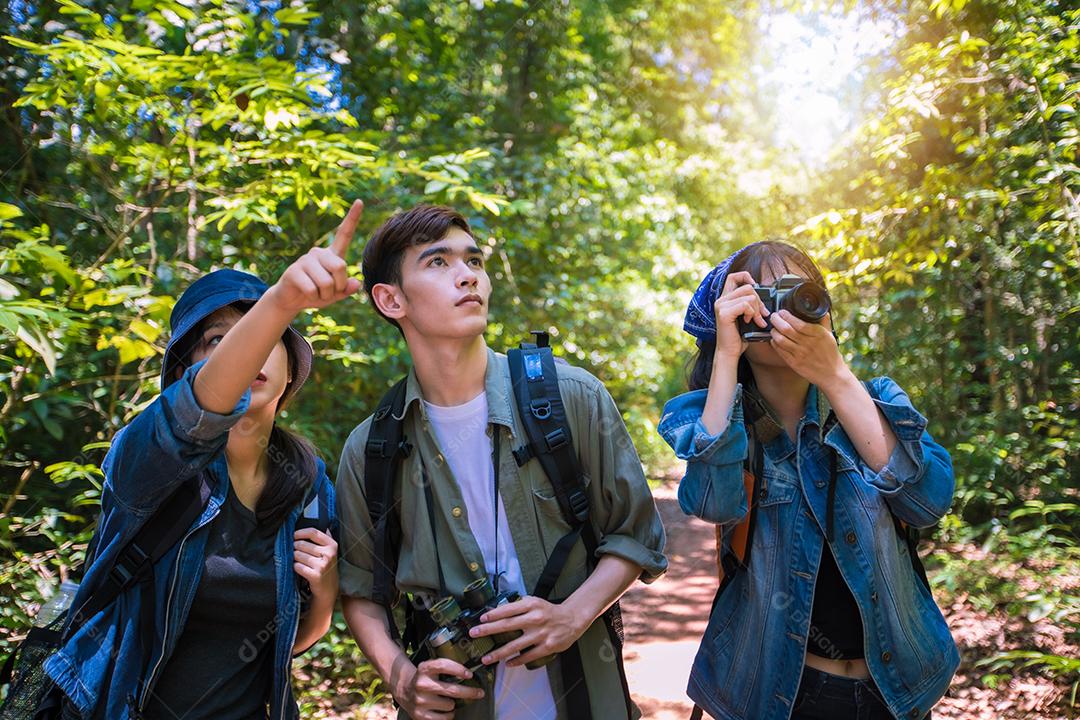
461	431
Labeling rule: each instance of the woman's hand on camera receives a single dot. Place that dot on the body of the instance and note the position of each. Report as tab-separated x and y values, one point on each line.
737	301
808	348
320	277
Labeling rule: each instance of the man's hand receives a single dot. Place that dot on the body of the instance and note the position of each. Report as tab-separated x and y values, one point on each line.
320	277
427	696
809	349
547	629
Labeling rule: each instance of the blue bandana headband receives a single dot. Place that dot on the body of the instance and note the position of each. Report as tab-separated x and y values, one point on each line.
700	320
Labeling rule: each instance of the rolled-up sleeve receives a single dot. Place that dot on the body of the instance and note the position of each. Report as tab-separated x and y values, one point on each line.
622	504
356	549
712	487
918	480
167	443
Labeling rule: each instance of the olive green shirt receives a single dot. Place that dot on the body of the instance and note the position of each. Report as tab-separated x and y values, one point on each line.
621	510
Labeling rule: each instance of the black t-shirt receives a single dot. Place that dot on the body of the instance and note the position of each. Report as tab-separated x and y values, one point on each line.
222	666
836	629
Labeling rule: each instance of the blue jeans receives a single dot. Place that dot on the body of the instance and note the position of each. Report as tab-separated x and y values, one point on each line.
824	696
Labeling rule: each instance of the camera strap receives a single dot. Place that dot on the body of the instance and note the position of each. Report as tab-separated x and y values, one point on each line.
495	443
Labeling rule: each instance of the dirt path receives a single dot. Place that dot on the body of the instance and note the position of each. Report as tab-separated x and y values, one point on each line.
664	623
665	620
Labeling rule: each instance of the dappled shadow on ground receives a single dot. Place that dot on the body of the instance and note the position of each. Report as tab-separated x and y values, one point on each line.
982	633
675	607
665	620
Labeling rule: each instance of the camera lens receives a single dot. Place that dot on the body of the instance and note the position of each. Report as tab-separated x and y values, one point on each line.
807	301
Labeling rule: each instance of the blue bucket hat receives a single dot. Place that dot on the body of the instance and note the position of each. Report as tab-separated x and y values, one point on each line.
209	294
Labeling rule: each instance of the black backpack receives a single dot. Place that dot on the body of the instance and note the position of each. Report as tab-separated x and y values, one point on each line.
534	375
31	693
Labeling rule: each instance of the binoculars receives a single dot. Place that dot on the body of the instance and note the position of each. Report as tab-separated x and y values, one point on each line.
453	620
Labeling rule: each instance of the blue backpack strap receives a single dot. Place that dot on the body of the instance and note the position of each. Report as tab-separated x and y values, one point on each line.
535	380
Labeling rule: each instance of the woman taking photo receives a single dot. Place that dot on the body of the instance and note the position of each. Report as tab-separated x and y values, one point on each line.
253	580
825	613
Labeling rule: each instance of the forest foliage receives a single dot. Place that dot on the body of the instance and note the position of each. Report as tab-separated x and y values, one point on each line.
600	150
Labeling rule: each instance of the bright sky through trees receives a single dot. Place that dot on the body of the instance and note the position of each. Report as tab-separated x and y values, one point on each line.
818	63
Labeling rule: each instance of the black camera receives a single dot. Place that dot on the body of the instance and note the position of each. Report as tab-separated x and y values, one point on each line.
805	300
454	619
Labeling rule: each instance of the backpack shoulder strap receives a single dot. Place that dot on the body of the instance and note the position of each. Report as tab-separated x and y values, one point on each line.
155	537
536	390
549	440
386	446
911	536
539	402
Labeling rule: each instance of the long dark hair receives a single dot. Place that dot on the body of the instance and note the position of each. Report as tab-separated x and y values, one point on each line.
777	256
292	472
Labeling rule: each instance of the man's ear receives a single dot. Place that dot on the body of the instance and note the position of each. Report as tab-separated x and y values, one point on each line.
389	299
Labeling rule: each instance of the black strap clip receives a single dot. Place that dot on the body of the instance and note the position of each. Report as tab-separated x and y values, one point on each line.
129	566
523	455
377	448
579	505
556	440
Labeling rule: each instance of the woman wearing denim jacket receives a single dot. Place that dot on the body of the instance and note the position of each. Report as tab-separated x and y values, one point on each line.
828	617
227	609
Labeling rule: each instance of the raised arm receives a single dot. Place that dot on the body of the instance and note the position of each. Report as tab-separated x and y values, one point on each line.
317	279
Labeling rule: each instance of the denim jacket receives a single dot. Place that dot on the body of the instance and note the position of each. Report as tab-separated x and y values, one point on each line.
751	656
172	441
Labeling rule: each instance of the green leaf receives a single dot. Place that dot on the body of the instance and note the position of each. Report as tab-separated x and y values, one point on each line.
7	212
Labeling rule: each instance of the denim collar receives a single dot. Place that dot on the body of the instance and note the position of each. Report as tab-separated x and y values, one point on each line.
770	431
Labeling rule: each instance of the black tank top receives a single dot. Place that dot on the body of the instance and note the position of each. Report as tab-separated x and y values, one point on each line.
836	630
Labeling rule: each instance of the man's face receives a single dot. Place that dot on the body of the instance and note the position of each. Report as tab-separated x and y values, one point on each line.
445	288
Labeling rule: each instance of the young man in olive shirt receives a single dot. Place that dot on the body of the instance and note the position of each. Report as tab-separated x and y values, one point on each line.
490	518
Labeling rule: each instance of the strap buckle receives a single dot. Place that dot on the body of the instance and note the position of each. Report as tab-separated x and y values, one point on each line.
541	409
556	439
579	505
376	447
523	455
128	566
